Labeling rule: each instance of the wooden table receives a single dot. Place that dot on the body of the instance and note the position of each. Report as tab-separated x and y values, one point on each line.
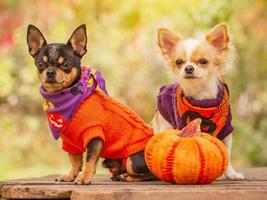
102	188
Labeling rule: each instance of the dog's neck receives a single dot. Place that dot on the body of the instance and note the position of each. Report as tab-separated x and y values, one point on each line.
199	91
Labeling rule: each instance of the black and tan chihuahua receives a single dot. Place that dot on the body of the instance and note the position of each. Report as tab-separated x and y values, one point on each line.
59	67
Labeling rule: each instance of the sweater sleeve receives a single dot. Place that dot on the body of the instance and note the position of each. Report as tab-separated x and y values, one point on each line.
67	147
228	128
92	133
165	103
88	135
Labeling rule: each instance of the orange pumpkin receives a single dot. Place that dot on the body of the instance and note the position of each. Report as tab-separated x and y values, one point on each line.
188	156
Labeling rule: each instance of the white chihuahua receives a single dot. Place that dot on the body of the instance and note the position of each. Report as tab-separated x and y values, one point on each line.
198	65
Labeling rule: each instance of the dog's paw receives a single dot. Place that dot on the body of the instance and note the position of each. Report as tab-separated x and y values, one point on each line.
83	180
117	177
234	176
127	178
134	179
65	178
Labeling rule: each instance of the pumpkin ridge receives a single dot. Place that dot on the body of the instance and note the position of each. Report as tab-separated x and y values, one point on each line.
202	160
170	157
150	147
225	160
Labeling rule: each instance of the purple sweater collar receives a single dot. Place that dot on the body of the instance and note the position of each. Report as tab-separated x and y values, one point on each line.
206	103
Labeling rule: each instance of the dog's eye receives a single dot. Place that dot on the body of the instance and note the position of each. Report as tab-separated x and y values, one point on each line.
66	65
179	62
202	61
41	65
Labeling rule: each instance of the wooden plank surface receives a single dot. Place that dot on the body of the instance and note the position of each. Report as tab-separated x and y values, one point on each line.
254	187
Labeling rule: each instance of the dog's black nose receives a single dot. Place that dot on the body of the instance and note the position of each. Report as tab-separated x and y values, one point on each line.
50	73
189	69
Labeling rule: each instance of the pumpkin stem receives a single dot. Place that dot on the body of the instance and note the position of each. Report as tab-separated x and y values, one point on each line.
192	129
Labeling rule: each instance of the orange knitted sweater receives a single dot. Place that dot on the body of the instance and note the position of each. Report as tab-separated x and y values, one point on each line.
99	116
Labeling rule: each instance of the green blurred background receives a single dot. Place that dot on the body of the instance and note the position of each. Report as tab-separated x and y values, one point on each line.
122	44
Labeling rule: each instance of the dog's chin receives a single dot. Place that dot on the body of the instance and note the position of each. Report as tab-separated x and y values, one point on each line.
190	77
54	86
53	81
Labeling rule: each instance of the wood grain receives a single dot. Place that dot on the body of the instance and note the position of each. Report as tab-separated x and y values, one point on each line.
254	187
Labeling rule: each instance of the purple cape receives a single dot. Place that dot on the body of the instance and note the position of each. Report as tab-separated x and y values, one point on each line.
60	106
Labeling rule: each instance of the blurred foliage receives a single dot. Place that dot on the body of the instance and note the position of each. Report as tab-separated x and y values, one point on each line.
122	44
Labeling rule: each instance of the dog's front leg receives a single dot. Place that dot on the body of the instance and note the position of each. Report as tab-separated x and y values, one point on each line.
230	173
93	151
159	123
76	162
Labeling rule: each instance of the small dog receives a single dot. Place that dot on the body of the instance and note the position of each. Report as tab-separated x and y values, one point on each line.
198	65
80	112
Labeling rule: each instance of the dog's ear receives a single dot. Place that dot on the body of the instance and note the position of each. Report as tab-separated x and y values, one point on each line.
78	40
35	39
167	41
218	37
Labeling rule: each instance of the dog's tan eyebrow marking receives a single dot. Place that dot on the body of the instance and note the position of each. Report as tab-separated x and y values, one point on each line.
45	59
60	59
